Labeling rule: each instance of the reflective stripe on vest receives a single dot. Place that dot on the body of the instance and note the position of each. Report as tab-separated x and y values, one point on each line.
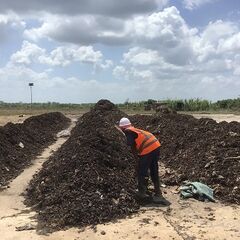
143	145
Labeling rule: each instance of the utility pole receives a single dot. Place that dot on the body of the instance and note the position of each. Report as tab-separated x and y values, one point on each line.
31	85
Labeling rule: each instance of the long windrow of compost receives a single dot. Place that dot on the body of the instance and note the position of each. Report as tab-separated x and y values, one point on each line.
90	180
198	150
20	143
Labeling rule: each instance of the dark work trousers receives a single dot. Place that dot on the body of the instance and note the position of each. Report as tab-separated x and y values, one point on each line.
145	163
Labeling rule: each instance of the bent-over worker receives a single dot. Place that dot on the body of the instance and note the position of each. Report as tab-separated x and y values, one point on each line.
147	148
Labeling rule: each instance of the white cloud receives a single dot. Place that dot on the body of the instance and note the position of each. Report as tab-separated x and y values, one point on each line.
58	89
61	56
138	56
236	65
165	31
28	54
163	56
214	65
74	7
193	4
81	29
230	44
147	58
120	72
7	22
65	55
15	77
219	40
218	30
12	18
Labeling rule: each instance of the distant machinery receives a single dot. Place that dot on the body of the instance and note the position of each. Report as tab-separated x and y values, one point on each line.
158	107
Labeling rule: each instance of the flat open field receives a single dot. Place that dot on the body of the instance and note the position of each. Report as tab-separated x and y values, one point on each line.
184	219
19	118
219	117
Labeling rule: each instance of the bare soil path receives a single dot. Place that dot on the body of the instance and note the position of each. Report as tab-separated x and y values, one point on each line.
219	117
12	118
186	220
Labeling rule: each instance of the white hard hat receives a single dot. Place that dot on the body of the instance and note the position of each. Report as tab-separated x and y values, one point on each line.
124	122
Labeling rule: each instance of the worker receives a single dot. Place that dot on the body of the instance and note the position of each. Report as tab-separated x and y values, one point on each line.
146	148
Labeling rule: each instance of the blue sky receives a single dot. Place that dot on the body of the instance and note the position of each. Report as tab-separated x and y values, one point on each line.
81	51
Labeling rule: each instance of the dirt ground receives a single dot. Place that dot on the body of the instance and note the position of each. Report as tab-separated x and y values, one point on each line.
184	219
20	118
216	117
13	119
219	117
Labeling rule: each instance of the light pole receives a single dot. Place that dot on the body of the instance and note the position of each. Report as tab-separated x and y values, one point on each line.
31	85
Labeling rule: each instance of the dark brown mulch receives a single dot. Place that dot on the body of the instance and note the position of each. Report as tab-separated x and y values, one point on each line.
90	180
198	150
20	143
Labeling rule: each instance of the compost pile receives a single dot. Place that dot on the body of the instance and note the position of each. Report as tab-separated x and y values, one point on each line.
90	179
20	143
198	150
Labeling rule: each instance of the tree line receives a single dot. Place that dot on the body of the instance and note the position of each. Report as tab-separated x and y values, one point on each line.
178	105
186	105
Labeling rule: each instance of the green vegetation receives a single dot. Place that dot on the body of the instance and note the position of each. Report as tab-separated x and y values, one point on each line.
190	105
187	105
205	105
38	108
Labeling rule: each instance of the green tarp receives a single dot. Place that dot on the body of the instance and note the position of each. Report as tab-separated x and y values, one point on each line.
196	190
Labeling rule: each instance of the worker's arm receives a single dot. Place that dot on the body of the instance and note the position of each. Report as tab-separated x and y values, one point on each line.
131	136
136	158
134	151
119	129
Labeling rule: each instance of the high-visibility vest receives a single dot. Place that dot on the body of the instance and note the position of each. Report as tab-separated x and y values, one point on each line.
145	141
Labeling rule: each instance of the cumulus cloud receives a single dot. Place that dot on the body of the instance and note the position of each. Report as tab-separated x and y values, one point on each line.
167	32
75	7
213	68
55	89
147	59
120	72
163	56
164	30
60	56
236	66
193	4
158	83
12	18
231	43
28	54
216	47
138	56
10	21
86	29
162	38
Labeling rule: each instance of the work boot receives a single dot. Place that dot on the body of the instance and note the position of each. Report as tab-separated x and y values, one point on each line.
143	199
159	199
141	194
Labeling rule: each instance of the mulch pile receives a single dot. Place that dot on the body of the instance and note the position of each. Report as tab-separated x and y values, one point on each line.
20	143
90	179
198	150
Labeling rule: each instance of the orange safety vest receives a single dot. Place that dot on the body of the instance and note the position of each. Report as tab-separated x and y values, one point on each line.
145	141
